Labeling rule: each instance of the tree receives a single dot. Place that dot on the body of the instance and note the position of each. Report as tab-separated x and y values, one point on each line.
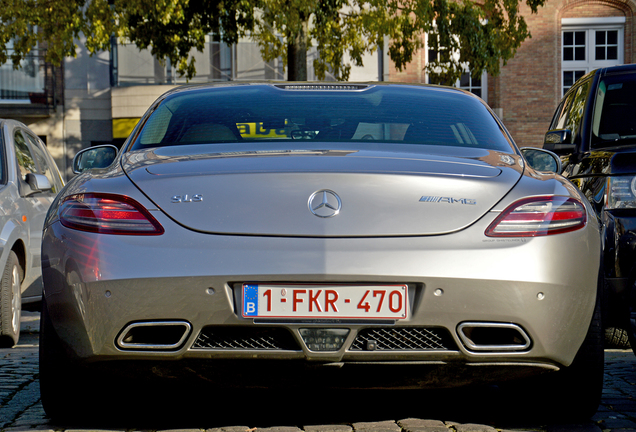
476	35
58	25
169	28
287	28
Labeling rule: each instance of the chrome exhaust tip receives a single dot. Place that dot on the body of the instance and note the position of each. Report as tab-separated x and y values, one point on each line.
154	335
485	336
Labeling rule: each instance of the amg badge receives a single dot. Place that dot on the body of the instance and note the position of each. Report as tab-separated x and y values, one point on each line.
448	200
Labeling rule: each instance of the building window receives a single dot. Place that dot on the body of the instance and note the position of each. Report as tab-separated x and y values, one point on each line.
606	44
570	77
26	84
472	84
217	62
476	85
588	44
574	45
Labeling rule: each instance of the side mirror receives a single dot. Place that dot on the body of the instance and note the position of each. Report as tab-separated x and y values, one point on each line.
542	159
37	183
558	141
94	157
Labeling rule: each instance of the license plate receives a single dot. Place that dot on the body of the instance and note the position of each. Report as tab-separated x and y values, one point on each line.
325	301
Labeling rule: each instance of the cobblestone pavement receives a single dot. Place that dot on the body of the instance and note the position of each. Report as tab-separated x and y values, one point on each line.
450	411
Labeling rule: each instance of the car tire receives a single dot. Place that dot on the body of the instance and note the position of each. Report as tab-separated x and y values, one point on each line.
632	319
66	388
74	394
616	337
573	393
54	370
10	301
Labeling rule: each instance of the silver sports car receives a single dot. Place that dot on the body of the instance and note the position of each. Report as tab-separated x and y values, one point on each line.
322	235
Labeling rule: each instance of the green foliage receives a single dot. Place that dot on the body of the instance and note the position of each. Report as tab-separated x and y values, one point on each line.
58	24
478	35
465	34
332	28
169	28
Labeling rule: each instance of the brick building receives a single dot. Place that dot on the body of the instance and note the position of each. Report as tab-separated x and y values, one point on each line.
569	39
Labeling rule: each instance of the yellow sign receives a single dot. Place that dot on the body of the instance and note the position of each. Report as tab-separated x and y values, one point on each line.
122	127
256	130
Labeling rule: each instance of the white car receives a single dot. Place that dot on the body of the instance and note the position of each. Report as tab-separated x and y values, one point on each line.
29	181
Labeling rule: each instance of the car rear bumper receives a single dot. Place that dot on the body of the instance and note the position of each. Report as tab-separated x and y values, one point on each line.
93	293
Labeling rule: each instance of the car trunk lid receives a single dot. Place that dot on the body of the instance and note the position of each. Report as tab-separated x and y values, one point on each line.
322	193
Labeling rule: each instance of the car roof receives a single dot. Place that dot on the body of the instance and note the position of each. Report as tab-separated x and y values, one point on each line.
619	69
610	70
4	121
304	85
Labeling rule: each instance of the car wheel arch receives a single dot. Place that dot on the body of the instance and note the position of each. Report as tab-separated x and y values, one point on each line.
19	248
14	234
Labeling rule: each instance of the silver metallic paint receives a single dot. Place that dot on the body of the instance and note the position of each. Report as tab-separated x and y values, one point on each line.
277	187
99	284
482	278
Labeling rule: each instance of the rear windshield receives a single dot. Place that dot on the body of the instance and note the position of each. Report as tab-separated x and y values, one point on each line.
614	121
267	113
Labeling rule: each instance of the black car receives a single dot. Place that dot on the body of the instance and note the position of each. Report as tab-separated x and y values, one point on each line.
594	132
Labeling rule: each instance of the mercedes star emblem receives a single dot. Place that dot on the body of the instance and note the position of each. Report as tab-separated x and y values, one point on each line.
324	203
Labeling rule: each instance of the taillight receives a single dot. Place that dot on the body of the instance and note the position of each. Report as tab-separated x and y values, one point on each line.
108	214
539	216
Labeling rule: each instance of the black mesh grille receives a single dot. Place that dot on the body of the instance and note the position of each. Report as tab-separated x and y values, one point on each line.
245	338
403	339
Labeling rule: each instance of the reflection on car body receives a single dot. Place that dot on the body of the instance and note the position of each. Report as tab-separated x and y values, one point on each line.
310	255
